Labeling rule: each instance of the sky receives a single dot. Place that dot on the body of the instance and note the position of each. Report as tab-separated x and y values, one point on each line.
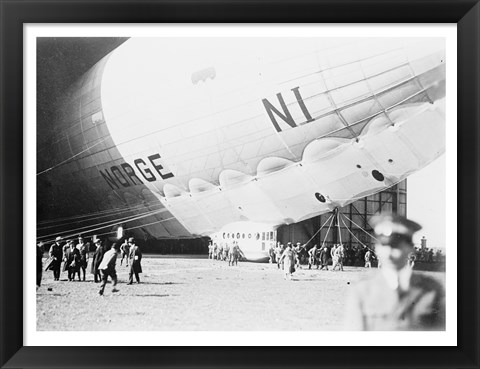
426	195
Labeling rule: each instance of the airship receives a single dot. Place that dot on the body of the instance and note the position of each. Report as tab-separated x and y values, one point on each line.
232	137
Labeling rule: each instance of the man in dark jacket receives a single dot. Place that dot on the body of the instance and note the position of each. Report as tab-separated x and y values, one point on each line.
72	261
135	261
96	260
56	254
324	258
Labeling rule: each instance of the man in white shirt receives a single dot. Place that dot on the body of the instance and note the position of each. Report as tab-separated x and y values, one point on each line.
107	267
396	298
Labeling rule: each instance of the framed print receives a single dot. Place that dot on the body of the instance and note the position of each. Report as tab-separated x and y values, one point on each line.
274	184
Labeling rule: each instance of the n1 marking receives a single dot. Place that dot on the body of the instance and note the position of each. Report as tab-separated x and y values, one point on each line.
286	116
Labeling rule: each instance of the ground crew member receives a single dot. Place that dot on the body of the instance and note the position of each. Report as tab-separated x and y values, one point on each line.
396	297
233	254
107	267
278	253
339	255
72	261
368	259
225	252
84	256
56	255
135	261
125	251
220	251
96	260
411	259
324	258
210	250
288	259
333	254
271	254
313	257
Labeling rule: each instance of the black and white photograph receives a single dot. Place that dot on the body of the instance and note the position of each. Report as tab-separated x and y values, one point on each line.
241	184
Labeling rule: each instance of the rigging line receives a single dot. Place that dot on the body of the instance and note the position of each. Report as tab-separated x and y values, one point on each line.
93	218
328	230
140	226
338	225
111	223
353	234
70	158
318	230
360	228
94	215
109	233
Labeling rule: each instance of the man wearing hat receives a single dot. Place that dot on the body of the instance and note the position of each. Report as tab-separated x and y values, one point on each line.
56	255
125	251
96	260
396	298
135	261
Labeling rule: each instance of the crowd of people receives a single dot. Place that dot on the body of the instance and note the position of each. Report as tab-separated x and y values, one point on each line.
384	302
319	257
73	258
230	253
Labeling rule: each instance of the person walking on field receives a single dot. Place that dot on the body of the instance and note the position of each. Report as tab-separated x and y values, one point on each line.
313	257
56	255
107	267
125	251
333	255
411	259
339	255
84	256
72	261
96	260
210	250
135	261
288	259
368	259
324	258
233	254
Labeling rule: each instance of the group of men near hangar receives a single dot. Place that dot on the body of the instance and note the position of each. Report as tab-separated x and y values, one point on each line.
76	256
288	258
225	252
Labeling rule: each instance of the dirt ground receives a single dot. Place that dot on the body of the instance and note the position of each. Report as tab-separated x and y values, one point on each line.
182	293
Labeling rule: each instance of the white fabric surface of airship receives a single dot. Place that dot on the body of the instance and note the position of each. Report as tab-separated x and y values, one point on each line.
195	134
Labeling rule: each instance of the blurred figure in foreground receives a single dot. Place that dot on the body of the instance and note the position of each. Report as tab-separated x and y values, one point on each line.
396	298
107	266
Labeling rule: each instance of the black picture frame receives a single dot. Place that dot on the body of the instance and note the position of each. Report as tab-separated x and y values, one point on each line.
14	14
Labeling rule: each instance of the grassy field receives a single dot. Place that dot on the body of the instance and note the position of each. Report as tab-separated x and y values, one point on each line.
181	293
